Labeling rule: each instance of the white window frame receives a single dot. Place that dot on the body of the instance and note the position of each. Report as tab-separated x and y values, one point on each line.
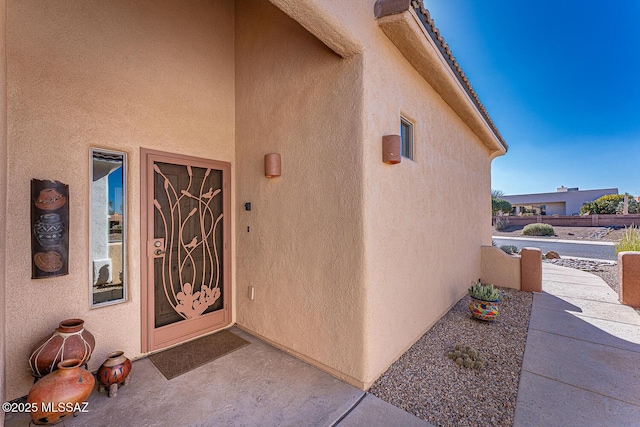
407	138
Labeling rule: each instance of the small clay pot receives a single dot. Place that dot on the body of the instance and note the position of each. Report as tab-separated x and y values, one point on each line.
60	393
70	340
114	372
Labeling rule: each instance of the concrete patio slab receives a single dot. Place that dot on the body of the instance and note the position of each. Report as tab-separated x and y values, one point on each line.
544	402
375	412
599	331
255	385
598	309
605	370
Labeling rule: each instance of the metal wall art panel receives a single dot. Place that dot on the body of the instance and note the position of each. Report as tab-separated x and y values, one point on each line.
49	229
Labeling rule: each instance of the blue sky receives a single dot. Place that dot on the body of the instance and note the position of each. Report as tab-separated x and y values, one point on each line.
115	189
560	79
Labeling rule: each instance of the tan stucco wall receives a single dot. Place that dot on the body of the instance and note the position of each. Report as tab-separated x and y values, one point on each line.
425	220
3	193
500	268
417	260
303	253
119	75
115	255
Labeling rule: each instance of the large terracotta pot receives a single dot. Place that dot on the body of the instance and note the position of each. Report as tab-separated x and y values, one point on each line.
70	340
114	372
60	393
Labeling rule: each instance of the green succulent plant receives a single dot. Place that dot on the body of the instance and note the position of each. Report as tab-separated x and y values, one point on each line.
484	292
467	356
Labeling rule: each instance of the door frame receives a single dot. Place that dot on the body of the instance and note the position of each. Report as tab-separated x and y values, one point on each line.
150	339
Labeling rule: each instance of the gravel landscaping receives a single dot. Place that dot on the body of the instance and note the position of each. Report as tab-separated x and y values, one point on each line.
606	234
424	382
427	384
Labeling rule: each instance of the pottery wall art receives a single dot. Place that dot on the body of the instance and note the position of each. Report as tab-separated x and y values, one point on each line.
49	229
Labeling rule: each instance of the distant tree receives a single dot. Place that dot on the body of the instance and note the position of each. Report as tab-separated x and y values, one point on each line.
499	204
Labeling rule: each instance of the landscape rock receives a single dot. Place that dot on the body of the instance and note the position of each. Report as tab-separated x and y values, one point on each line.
552	255
589	265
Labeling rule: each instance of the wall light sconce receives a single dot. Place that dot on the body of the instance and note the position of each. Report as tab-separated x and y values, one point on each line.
272	165
391	145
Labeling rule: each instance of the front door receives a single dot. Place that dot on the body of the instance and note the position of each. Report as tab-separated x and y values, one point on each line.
186	289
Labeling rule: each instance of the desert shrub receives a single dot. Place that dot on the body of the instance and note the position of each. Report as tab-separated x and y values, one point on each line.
510	249
603	205
630	240
502	223
538	230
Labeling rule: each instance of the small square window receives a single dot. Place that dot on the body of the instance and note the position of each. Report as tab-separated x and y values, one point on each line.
406	135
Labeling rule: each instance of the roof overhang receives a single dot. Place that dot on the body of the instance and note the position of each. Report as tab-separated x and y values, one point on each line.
320	22
408	25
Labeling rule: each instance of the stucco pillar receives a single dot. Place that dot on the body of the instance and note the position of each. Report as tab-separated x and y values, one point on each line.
3	193
531	269
629	276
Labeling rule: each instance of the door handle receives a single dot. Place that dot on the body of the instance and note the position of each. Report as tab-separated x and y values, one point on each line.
156	247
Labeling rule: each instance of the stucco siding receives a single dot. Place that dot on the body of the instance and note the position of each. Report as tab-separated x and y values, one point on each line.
425	219
118	75
556	208
300	246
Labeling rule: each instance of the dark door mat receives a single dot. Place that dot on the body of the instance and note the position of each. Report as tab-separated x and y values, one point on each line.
193	354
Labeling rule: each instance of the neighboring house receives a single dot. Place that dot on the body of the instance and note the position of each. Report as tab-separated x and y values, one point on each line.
343	260
565	201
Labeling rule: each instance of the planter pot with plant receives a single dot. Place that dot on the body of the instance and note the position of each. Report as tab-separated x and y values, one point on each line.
484	301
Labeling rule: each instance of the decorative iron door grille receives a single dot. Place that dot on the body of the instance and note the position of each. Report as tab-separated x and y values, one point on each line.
187	247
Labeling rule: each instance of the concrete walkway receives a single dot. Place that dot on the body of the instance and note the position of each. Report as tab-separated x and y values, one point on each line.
582	359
